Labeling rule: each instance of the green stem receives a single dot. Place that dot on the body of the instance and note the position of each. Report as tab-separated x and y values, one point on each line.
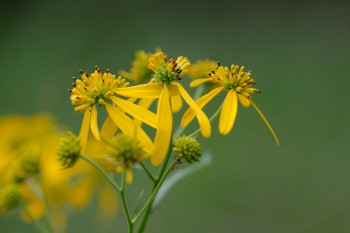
100	169
149	174
155	192
195	133
125	205
157	179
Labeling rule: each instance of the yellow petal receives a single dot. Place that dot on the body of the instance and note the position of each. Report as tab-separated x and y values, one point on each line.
165	125
136	111
228	113
266	122
107	202
176	103
146	103
108	128
173	90
203	120
150	90
129	176
84	130
243	100
129	127
94	123
199	81
201	102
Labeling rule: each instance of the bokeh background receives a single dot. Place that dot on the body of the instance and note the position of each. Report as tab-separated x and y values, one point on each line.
299	53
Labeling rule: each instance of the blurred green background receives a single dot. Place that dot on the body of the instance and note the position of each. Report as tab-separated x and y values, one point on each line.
299	53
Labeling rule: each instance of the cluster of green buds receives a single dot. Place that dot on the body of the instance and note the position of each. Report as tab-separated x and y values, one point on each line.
10	197
69	150
187	148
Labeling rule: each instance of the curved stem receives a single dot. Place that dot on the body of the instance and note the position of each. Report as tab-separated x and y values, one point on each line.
195	133
149	174
100	169
154	193
125	205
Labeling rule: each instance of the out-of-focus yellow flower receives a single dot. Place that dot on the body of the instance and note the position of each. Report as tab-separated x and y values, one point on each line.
43	180
139	68
201	69
239	86
100	89
165	85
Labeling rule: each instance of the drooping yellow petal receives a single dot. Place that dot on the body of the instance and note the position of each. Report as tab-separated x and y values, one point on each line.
200	81
173	90
203	120
127	126
136	111
84	129
201	102
176	103
165	125
129	176
243	100
108	128
228	113
94	123
266	122
150	90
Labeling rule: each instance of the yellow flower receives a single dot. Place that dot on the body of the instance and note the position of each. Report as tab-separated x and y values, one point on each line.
139	68
43	180
165	85
100	89
239	87
201	69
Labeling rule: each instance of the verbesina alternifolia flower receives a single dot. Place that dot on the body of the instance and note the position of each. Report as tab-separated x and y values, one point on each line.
238	85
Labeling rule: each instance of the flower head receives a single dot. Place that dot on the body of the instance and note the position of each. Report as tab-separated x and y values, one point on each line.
10	197
168	71
69	150
100	89
126	151
166	87
187	148
201	69
94	89
139	68
239	86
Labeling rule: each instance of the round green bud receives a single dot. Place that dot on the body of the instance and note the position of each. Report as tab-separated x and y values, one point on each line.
69	150
10	197
126	150
29	163
187	148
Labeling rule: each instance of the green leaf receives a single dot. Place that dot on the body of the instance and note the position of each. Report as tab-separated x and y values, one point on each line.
205	160
138	202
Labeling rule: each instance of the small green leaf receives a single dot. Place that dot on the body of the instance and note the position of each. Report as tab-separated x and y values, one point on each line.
179	175
138	202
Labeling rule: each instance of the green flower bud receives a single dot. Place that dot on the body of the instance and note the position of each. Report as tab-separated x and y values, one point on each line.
29	163
69	150
126	150
187	148
10	197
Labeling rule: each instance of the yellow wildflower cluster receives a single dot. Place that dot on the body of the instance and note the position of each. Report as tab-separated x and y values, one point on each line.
32	180
40	168
164	84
